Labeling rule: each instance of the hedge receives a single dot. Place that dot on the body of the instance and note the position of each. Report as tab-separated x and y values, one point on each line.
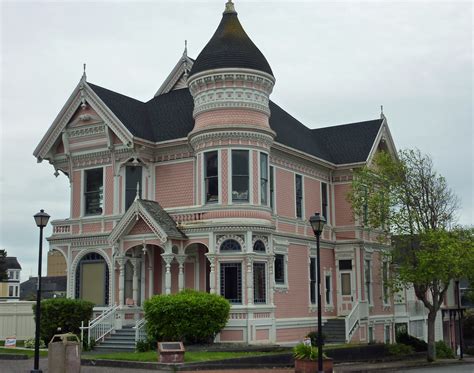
189	316
63	313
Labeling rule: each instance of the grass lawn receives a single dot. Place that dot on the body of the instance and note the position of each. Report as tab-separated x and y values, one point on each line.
189	357
29	352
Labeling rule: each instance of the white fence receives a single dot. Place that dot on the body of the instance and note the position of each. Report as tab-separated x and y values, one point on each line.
16	320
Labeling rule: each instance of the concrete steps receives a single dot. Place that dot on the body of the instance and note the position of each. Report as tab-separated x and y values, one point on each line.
121	340
335	330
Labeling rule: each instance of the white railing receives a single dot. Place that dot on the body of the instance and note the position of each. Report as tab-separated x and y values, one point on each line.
100	326
352	320
140	331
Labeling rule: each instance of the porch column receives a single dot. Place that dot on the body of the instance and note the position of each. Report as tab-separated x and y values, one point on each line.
249	281
168	258
150	274
121	262
181	259
134	262
212	274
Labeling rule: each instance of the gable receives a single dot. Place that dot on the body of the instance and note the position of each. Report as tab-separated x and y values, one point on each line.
140	227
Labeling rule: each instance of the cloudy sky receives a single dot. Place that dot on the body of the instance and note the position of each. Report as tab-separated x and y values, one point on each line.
335	62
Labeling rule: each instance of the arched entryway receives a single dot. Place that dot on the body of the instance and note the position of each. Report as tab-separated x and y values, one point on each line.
92	279
196	268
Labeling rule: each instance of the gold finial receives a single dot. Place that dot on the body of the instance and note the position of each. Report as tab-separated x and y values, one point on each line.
229	7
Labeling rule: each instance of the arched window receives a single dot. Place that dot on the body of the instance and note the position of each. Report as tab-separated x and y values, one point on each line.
230	245
92	279
259	246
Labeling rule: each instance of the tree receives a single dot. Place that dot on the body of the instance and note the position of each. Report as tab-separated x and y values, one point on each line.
405	198
3	265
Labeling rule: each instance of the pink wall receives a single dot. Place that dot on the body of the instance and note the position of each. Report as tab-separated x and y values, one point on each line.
343	211
291	334
109	190
175	184
312	196
76	194
232	335
285	192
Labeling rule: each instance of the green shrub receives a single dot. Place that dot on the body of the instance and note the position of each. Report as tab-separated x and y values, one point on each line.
189	316
399	349
314	337
418	344
63	313
468	324
306	352
30	343
470	350
443	351
144	346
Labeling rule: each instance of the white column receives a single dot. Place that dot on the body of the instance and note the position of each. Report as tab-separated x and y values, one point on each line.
249	281
212	274
181	259
142	279
168	258
134	262
121	262
150	273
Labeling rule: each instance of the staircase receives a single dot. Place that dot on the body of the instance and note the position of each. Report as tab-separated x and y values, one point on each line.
121	340
335	331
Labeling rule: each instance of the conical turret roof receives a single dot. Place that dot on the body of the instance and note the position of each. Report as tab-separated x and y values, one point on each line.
230	47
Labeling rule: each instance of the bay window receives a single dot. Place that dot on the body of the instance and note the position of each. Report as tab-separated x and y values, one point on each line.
240	175
263	179
211	176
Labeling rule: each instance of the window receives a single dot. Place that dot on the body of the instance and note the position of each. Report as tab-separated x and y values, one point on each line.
346	284
385	282
240	175
299	195
387	334
259	246
345	265
328	292
10	275
279	269
230	245
324	201
312	281
259	283
94	191
17	275
133	177
272	188
231	282
263	179
211	177
367	281
10	291
16	291
371	334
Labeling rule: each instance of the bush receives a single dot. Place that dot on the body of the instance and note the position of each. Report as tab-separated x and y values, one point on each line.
30	343
418	344
443	351
314	337
189	316
399	349
468	325
63	313
470	350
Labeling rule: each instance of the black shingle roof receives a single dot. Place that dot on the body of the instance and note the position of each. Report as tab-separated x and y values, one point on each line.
12	263
170	116
162	218
230	46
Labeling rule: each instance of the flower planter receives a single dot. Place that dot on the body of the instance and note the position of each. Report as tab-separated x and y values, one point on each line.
311	366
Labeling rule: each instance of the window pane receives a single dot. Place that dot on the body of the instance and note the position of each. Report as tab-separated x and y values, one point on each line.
240	175
328	289
230	245
272	187
263	178
231	282
10	291
133	175
367	281
279	269
345	264
259	246
324	200
259	283
345	283
93	191
211	179
312	280
299	195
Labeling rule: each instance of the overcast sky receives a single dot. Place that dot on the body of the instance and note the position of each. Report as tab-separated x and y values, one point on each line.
334	63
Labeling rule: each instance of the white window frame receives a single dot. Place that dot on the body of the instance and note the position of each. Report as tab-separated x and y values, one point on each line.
219	177
265	279
124	183
260	179
302	217
230	176
368	287
271	197
313	306
386	302
242	274
83	188
329	306
282	250
328	213
385	339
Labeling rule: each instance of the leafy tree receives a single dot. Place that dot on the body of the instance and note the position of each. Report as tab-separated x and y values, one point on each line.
3	265
406	197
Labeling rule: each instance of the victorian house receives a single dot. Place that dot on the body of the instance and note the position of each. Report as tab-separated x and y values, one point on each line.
209	185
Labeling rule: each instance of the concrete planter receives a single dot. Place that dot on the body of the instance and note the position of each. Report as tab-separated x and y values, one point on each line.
311	366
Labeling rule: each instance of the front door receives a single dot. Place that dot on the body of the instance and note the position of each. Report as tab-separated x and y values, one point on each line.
346	291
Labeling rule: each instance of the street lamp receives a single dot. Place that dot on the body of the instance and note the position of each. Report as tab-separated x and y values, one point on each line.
317	223
41	219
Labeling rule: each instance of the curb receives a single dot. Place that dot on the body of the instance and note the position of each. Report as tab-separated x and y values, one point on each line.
13	357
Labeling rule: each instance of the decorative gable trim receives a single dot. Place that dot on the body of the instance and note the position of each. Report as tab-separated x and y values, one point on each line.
130	218
82	94
177	78
385	136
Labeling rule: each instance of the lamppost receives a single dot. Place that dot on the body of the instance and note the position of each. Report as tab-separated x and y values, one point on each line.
41	219
317	223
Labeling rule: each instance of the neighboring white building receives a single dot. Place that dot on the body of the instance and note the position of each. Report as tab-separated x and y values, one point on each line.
10	288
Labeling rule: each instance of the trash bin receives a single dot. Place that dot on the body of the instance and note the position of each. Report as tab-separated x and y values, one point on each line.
64	354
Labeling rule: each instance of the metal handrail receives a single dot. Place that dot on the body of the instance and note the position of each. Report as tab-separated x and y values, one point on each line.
140	333
100	326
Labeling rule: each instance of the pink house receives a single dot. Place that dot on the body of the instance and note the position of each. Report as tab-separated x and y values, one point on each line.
209	185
